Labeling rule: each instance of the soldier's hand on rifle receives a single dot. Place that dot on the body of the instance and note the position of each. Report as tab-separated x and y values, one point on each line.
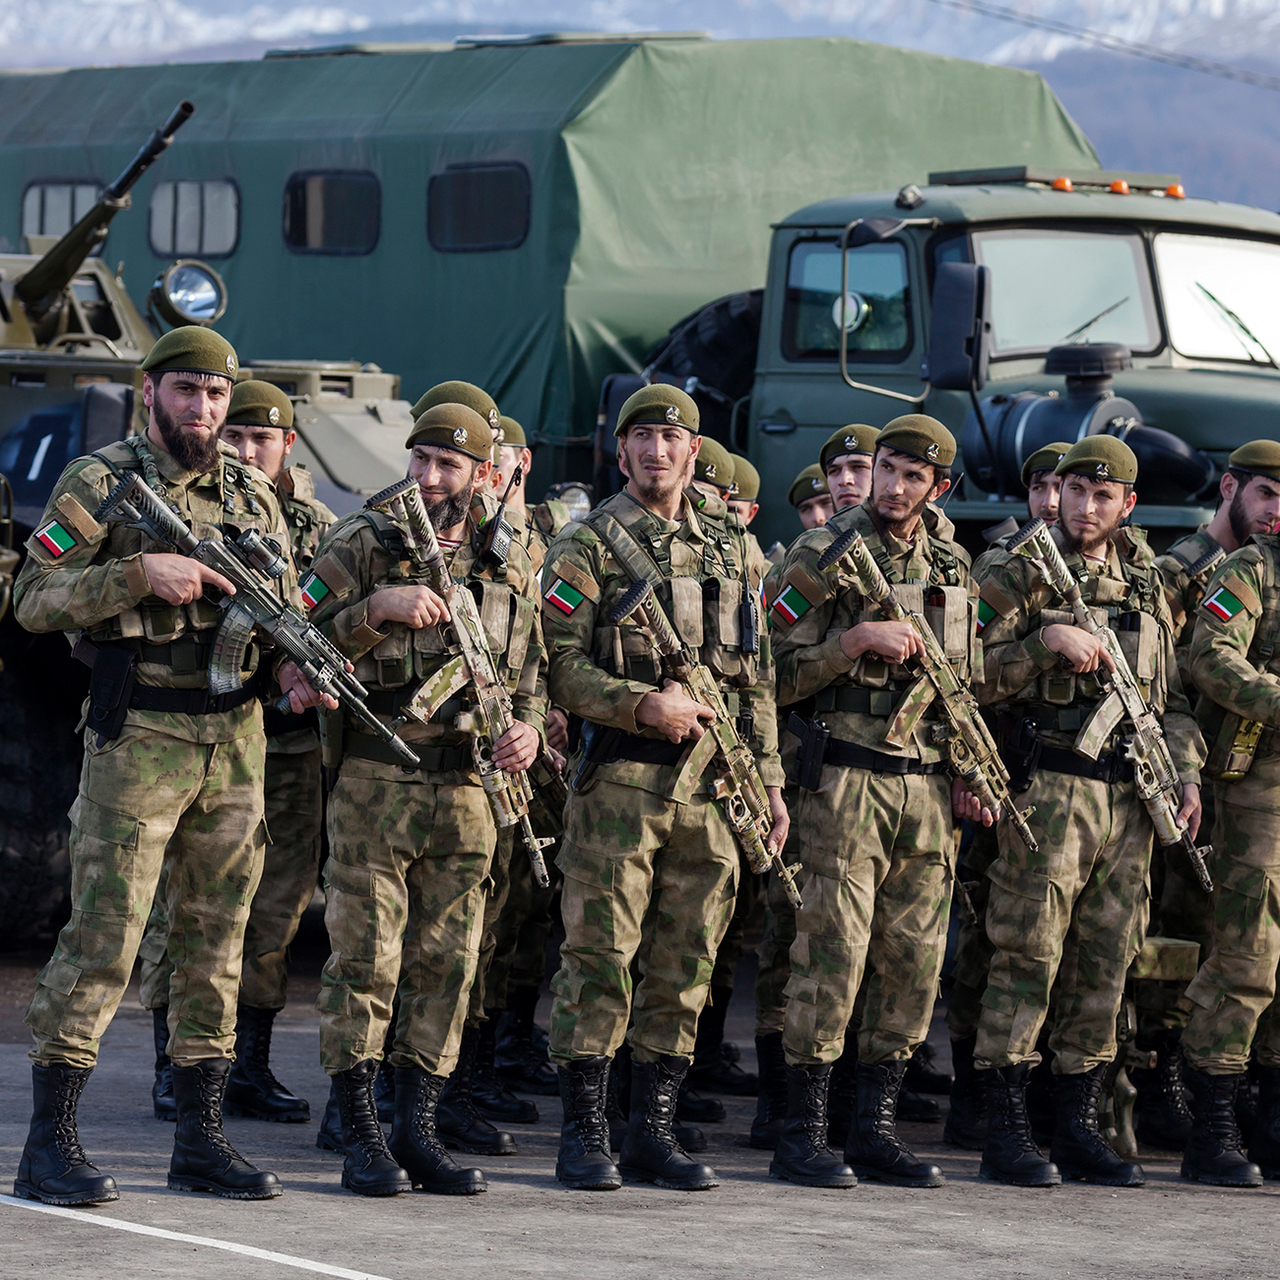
300	691
964	804
180	579
516	750
1080	650
896	641
673	713
557	730
781	819
416	607
1192	810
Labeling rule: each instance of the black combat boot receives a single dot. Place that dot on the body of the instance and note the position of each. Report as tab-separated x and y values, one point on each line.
54	1167
650	1152
162	1089
329	1135
493	1099
923	1074
967	1119
1214	1153
253	1090
459	1125
1079	1150
369	1168
802	1155
520	1061
771	1102
203	1159
695	1108
716	1063
842	1094
1163	1117
1011	1155
384	1085
415	1144
618	1107
584	1163
874	1149
1264	1143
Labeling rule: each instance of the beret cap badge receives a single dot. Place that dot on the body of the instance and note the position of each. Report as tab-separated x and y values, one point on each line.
711	471
231	364
493	418
460	435
673	414
273	416
817	483
1103	471
932	452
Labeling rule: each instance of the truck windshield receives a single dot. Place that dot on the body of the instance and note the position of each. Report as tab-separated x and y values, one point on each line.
1220	296
1049	288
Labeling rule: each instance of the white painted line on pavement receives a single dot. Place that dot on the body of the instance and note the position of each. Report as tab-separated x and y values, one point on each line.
266	1255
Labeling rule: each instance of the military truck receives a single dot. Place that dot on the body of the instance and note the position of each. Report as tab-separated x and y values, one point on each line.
71	340
1019	305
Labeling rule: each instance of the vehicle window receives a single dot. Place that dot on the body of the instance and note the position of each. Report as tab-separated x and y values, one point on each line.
876	310
472	208
1050	288
1220	296
332	211
195	218
53	208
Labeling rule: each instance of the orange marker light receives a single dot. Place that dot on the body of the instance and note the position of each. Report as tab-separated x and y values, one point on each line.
1119	187
1063	184
1176	190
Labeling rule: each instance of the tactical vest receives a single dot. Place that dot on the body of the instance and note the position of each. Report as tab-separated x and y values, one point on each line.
1186	552
305	523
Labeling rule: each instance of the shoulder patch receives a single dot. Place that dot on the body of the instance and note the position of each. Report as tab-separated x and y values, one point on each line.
71	513
579	579
55	539
993	603
799	592
563	596
327	578
1231	596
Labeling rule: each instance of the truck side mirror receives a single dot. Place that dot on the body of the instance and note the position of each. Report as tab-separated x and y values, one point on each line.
960	326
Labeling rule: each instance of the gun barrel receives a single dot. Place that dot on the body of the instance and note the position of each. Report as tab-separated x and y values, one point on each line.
149	151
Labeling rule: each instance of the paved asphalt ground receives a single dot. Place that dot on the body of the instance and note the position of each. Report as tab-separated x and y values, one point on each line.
752	1226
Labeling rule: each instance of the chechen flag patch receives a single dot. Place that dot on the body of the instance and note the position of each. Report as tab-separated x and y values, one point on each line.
791	604
985	613
564	597
314	589
55	539
1223	605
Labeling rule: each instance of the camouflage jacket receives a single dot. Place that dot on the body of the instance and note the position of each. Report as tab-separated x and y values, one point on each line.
1019	669
362	553
530	536
550	517
1183	594
82	577
601	672
811	609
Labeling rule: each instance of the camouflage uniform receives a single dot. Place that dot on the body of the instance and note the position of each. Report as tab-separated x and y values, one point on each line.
878	845
650	864
293	813
1234	665
174	790
410	852
1074	913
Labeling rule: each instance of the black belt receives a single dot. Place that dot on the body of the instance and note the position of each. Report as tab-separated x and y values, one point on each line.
365	746
848	755
858	699
1111	768
1064	719
190	702
278	723
630	746
390	702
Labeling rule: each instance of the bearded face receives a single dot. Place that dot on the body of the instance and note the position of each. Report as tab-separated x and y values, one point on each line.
192	450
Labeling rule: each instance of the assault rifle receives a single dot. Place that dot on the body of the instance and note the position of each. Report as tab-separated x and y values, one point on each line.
252	563
1154	774
470	665
739	787
972	754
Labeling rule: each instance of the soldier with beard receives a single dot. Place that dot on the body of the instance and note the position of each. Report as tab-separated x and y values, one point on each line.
172	775
877	835
1069	917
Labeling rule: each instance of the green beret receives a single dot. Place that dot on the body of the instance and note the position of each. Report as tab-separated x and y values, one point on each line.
467	393
259	404
1044	459
1261	457
1100	458
921	436
453	426
746	479
511	433
660	404
808	484
714	465
857	437
192	349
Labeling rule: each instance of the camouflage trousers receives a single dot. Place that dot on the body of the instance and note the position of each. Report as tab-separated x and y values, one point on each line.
972	963
149	803
521	933
482	992
773	969
879	855
405	884
1067	920
290	872
1233	1011
645	879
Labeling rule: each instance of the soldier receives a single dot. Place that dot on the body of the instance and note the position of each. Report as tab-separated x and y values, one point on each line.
172	776
713	470
1069	918
878	835
1232	997
811	497
410	851
649	861
259	427
967	1118
845	460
